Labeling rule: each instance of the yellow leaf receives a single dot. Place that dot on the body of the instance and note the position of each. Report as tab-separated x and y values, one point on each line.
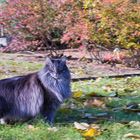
77	94
88	130
87	3
91	132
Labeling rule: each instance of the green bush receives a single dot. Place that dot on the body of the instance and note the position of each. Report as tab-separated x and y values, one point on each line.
116	24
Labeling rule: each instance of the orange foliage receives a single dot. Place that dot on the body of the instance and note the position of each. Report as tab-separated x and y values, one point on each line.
109	1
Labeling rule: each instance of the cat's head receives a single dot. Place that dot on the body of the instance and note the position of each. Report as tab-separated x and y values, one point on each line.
57	68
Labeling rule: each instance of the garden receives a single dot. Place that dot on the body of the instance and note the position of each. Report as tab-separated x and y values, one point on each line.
101	41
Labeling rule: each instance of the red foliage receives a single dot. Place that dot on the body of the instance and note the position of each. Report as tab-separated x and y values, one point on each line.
77	33
28	21
113	57
106	23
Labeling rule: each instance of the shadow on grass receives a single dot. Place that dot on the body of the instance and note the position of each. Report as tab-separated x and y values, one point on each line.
117	110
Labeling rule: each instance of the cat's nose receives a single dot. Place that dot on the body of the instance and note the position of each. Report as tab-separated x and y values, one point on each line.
55	75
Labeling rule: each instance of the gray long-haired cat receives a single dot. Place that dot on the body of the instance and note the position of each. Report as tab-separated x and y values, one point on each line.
24	97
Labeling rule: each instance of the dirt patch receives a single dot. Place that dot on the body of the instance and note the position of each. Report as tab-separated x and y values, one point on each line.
78	67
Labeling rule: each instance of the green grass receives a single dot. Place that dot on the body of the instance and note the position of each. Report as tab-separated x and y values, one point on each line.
117	131
114	125
10	68
40	131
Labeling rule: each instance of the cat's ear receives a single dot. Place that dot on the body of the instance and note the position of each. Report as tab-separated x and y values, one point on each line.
64	59
48	61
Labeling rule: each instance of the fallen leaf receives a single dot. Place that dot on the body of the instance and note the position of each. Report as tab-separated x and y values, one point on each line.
130	135
85	124
98	79
88	130
107	88
95	126
54	129
132	106
81	126
31	127
95	102
77	94
134	123
91	132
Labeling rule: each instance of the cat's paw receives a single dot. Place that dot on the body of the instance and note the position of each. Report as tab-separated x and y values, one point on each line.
2	121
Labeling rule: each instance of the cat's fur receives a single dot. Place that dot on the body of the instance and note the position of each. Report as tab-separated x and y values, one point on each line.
24	97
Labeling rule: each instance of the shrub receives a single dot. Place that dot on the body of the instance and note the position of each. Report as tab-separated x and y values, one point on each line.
30	23
108	23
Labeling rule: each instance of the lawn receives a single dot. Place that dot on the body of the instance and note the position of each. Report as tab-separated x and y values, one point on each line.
109	106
